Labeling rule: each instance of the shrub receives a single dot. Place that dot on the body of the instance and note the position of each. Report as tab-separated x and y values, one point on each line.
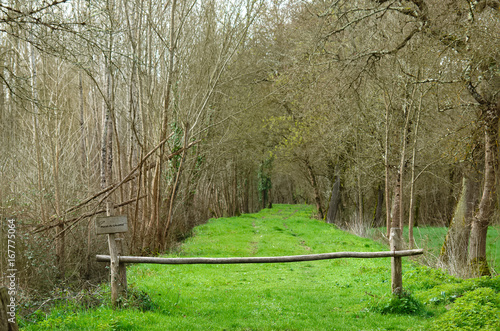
137	299
447	293
476	310
404	304
423	278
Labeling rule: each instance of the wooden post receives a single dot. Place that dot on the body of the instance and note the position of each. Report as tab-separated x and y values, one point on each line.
7	312
111	226
114	269
122	268
396	266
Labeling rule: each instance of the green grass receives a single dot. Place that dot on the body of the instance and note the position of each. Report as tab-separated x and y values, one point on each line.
340	294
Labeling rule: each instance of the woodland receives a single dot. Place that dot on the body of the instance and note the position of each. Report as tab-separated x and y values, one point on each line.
380	113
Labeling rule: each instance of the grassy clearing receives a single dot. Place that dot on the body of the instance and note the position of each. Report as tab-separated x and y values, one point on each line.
343	294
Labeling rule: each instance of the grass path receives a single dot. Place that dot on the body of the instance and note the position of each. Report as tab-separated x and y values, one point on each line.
318	295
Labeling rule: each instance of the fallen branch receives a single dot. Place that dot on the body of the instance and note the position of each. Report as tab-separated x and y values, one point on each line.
129	176
86	215
53	222
114	186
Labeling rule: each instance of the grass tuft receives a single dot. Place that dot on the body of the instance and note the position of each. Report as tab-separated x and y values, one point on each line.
403	304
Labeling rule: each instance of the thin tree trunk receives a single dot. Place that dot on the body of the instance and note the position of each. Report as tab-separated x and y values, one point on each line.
270	197
236	204
401	174
331	216
396	204
378	208
314	184
157	187
175	187
407	111
246	191
60	243
82	126
36	132
411	218
360	202
386	165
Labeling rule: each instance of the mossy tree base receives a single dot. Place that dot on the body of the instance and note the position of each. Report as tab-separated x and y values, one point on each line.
479	267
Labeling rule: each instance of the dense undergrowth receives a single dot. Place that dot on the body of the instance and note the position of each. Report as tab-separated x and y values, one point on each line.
342	294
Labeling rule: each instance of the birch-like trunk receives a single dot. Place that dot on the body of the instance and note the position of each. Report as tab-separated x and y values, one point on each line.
155	228
411	211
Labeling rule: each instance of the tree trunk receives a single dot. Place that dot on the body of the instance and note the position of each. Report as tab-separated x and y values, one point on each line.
60	242
395	239
401	172
411	211
396	204
82	127
455	247
486	208
157	187
417	211
396	263
245	200
387	172
36	132
378	209
270	197
314	184
264	199
360	218
331	216
175	188
236	203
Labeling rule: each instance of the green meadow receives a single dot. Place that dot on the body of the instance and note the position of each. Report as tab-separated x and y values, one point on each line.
341	294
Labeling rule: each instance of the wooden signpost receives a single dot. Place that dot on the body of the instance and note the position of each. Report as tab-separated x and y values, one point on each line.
111	225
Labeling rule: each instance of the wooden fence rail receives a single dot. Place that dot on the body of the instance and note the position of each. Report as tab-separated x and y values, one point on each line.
119	277
270	259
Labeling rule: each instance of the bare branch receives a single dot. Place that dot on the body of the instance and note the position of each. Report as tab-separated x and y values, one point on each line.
359	19
83	216
30	13
475	94
379	54
110	189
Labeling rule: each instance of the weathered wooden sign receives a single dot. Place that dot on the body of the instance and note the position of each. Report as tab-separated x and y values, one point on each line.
111	224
